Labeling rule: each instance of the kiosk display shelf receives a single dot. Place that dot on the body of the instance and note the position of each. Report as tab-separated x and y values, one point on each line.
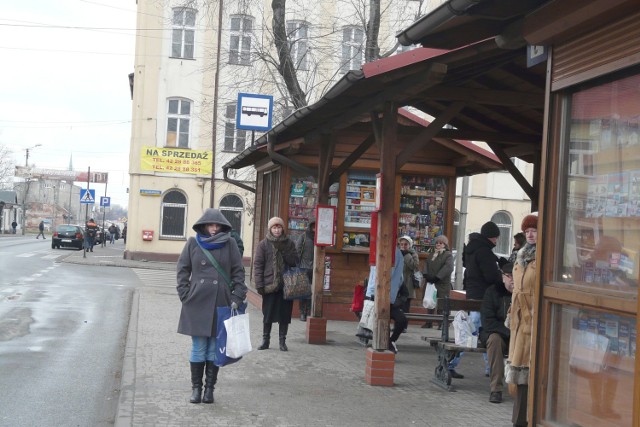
302	202
359	200
422	210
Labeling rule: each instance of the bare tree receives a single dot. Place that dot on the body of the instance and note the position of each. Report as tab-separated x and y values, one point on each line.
7	168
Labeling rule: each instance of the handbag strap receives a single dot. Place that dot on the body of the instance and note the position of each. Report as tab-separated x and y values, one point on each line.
216	264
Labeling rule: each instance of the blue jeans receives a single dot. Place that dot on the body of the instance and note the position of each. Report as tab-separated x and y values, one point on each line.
112	237
476	319
203	349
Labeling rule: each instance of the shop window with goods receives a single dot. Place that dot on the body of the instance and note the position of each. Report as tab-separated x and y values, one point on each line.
423	202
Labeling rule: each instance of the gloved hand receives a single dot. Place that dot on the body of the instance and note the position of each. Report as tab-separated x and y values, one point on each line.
235	302
430	278
260	291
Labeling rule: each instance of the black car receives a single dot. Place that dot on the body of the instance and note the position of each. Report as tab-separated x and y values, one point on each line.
67	235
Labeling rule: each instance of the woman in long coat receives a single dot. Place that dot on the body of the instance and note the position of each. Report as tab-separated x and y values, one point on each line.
438	268
273	255
411	264
520	320
202	288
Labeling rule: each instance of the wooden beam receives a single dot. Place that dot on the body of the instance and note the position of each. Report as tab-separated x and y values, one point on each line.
515	173
385	243
506	98
501	137
324	168
425	136
352	158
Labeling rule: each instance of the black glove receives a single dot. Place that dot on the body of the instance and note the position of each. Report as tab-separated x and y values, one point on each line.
430	278
237	300
260	291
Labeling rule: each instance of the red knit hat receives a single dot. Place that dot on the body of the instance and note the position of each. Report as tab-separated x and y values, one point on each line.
529	221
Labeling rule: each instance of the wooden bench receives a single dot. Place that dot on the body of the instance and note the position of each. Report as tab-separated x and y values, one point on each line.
446	349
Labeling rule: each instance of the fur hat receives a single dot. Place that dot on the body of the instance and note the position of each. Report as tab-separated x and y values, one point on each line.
275	221
489	230
408	239
442	238
529	221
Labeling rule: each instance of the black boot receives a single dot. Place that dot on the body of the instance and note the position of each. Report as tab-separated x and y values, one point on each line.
266	336
210	381
197	369
282	329
303	310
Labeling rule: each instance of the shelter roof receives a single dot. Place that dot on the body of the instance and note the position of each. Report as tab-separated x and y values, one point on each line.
503	99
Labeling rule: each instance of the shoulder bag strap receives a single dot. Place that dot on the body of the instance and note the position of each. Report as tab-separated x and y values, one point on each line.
216	265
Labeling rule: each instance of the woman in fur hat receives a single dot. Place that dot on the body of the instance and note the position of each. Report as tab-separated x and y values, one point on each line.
273	254
521	318
438	269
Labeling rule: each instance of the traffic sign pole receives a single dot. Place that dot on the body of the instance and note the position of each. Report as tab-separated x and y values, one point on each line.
104	212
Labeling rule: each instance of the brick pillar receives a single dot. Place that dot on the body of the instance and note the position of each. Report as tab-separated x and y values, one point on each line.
380	366
316	330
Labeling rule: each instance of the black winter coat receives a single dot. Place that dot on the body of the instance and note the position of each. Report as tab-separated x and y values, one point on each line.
495	306
481	266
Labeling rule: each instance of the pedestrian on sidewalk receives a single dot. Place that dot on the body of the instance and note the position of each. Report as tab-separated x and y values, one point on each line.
112	233
91	231
520	323
410	266
273	255
202	287
14	226
437	270
41	229
305	247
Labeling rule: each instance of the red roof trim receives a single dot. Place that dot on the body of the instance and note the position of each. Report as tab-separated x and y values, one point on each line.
467	144
403	59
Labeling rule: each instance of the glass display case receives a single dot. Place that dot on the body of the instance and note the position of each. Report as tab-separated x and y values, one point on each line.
303	196
594	354
601	217
423	202
359	200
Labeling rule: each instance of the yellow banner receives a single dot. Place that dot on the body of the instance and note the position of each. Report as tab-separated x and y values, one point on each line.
176	160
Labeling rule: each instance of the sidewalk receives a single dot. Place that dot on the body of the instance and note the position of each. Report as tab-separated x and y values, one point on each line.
310	385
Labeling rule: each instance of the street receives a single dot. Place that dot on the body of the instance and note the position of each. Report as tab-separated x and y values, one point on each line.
62	334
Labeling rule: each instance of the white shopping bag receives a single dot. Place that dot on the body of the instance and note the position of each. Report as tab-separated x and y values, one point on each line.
430	299
238	335
464	328
368	317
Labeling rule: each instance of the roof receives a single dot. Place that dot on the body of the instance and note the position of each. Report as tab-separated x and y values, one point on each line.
503	99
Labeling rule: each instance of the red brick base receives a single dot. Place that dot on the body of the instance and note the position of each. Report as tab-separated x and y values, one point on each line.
316	330
380	367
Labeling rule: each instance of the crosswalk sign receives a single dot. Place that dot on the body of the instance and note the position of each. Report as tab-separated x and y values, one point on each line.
87	197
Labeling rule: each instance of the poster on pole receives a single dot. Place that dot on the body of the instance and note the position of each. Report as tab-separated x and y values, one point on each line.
325	225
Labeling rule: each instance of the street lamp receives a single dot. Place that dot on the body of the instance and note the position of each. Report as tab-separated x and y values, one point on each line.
26	160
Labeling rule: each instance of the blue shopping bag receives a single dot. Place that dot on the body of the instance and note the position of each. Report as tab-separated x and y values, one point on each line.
221	336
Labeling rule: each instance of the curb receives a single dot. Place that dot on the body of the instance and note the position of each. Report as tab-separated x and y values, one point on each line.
124	411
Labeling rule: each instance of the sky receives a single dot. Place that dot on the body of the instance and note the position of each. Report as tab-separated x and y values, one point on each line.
64	85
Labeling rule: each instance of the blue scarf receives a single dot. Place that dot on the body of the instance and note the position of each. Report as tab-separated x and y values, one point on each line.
208	245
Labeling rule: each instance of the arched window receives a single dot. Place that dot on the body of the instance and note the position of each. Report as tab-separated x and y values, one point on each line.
174	215
231	207
504	223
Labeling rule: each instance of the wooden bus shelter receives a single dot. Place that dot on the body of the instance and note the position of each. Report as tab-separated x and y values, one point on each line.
584	369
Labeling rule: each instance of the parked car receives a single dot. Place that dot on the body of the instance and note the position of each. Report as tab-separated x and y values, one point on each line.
67	236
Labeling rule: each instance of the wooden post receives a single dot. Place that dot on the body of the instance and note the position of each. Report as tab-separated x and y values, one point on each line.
385	242
316	325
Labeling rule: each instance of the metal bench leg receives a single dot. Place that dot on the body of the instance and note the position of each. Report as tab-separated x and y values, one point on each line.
442	376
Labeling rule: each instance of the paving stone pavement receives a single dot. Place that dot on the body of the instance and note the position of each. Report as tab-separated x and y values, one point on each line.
310	385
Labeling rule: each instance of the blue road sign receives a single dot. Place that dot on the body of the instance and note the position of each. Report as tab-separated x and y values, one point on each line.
87	197
254	112
105	201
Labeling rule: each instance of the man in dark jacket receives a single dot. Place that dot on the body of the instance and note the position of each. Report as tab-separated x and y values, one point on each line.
481	271
495	334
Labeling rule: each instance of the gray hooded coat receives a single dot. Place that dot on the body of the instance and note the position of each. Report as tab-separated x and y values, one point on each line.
200	287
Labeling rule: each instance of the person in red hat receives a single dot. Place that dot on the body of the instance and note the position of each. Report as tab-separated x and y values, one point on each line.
520	320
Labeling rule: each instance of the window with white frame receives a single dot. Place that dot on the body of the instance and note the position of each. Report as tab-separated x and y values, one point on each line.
183	33
240	41
234	139
352	49
298	36
503	244
173	215
178	119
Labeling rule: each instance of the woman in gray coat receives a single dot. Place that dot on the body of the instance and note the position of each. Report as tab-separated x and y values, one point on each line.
438	269
202	288
273	255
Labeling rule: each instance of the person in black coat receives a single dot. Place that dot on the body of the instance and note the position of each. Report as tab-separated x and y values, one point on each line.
494	334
